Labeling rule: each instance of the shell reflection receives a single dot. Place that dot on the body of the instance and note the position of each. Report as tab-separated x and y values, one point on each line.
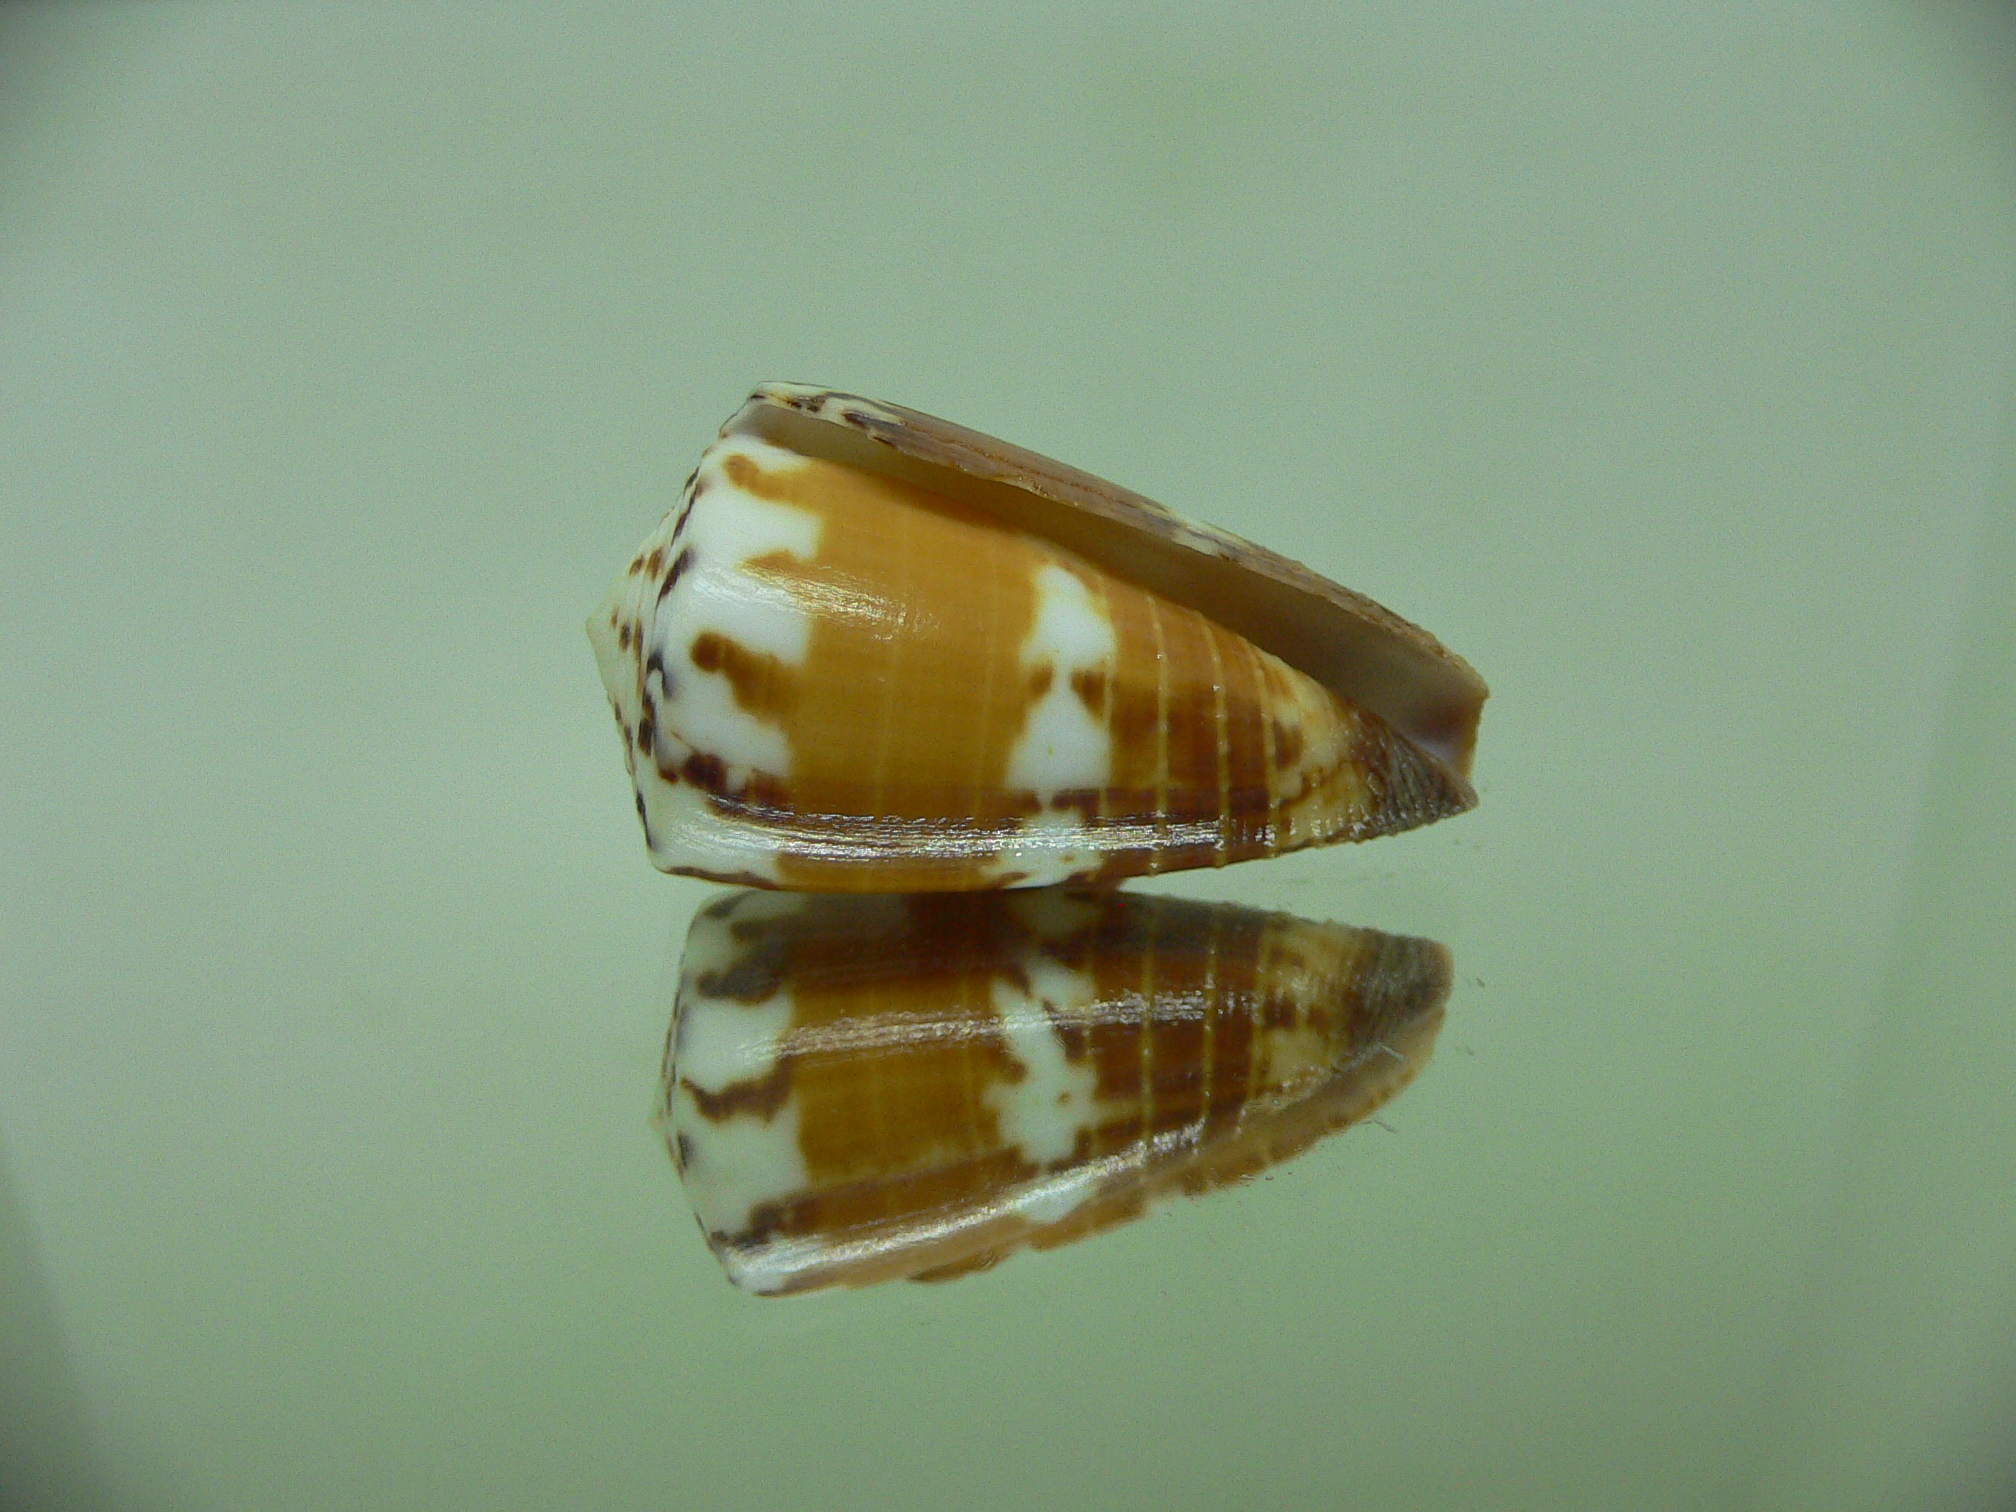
866	1088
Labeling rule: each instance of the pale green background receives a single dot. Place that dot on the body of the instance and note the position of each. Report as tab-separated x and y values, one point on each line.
1660	360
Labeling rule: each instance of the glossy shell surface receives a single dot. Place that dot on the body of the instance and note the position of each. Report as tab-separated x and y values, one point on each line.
860	1089
866	653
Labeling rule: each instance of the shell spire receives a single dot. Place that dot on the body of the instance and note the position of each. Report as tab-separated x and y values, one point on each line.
874	651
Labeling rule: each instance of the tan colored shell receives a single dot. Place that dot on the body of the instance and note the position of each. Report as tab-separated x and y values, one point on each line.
871	651
867	1088
1357	648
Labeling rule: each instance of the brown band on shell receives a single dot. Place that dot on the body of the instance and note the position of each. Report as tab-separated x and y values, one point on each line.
762	684
681	565
759	1098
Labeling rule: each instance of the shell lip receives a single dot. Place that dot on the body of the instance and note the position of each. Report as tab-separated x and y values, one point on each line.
1346	641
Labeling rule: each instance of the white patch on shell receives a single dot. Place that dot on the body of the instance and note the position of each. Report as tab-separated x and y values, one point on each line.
1055	1197
613	658
616	632
695	710
1062	745
710	939
727	530
733	1165
1042	1113
1047	850
769	1268
722	1042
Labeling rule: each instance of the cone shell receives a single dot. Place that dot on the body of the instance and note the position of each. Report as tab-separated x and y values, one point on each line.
871	651
867	1088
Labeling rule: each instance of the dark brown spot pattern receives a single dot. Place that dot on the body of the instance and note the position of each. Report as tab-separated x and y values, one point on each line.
681	565
763	685
757	1098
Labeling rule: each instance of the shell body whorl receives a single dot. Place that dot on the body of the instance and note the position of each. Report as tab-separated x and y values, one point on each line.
836	673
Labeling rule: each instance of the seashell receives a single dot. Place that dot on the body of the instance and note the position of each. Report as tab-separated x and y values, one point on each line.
873	651
860	1088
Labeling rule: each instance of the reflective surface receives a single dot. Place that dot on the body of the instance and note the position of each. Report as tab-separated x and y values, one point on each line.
1662	365
867	1089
